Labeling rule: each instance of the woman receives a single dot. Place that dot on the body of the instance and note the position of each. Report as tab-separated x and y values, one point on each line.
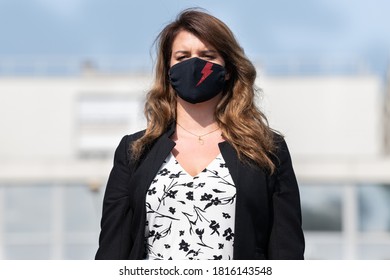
208	178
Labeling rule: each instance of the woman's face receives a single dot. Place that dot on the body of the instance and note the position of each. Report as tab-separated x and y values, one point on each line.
186	45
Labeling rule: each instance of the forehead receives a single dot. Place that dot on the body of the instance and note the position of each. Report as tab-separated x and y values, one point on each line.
186	41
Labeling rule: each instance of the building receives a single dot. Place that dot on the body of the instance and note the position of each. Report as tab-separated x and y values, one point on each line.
59	134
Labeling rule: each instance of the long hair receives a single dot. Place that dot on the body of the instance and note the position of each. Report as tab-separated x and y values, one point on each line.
242	124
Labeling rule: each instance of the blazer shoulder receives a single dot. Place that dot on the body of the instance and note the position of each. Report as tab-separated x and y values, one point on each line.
123	150
129	138
278	139
281	154
135	136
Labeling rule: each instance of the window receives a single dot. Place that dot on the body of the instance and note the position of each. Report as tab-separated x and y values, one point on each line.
103	119
49	221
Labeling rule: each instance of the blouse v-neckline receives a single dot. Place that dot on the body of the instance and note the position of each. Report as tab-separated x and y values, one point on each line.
203	169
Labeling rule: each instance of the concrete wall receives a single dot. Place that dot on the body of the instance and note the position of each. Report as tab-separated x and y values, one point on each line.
326	117
38	115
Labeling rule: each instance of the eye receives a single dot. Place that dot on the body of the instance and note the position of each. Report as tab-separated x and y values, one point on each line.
209	56
180	58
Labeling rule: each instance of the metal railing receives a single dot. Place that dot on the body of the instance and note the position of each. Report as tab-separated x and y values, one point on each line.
268	65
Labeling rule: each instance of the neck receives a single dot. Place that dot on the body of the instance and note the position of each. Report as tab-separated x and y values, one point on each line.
196	116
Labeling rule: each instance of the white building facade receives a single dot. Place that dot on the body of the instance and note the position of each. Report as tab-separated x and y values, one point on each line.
58	136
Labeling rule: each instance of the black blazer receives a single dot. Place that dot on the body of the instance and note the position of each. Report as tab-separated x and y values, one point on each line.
268	211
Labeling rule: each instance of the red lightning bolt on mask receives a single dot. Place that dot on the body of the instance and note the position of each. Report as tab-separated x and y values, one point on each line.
206	71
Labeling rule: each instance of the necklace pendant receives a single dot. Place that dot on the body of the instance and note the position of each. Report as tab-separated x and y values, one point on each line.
200	140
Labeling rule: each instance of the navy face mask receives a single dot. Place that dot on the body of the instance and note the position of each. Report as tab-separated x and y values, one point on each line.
196	80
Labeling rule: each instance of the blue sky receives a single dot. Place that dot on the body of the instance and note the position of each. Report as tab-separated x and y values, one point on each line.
268	30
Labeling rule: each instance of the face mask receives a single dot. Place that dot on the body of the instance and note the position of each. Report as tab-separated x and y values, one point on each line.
196	80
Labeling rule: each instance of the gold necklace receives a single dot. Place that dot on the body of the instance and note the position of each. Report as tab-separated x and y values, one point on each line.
200	140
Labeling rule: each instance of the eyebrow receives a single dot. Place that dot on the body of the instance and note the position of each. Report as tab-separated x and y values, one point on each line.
208	51
202	52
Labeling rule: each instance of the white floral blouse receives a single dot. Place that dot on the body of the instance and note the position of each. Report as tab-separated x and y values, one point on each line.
190	217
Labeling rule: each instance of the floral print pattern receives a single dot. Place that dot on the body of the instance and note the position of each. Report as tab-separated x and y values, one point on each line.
190	217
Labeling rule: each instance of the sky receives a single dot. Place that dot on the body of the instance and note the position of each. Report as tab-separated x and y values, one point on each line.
269	31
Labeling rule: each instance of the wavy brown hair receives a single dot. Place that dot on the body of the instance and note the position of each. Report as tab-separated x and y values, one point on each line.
242	124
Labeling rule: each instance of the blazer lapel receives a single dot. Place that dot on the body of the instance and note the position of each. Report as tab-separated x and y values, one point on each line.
149	167
230	156
142	179
234	165
247	180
